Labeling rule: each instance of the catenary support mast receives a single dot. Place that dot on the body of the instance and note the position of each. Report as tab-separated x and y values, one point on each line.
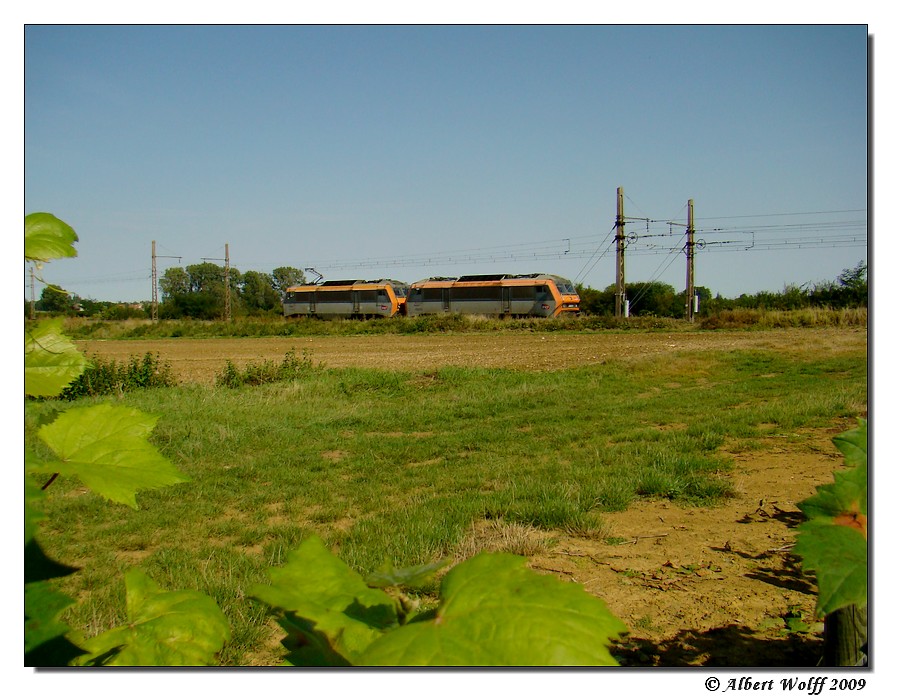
689	252
154	303
621	304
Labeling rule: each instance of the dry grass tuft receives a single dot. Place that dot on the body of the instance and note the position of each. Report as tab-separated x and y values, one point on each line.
496	535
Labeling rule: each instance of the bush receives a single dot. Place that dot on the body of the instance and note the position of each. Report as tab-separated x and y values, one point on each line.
741	318
291	367
105	377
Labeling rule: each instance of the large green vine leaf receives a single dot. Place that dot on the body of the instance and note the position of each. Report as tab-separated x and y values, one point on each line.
184	627
332	616
52	362
833	541
838	556
389	576
47	238
497	612
845	502
854	445
106	447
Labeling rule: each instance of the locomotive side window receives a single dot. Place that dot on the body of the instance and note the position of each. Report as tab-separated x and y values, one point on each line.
475	293
333	296
299	297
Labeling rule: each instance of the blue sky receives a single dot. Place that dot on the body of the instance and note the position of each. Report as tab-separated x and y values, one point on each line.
407	152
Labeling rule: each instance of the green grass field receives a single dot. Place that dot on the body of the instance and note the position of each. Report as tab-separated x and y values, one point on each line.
397	466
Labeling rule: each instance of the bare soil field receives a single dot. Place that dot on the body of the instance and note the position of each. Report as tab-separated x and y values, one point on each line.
711	586
199	360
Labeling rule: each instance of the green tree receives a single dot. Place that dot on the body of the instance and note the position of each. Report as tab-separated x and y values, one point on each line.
855	278
174	281
54	300
654	298
257	292
285	277
595	302
197	291
855	283
206	277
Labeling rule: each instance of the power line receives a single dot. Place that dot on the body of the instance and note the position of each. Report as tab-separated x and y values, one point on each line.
844	232
795	213
582	274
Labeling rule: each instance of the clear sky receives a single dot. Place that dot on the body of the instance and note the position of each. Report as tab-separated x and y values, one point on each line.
407	152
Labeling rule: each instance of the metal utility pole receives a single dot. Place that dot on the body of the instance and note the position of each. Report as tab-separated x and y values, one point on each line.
227	288
154	304
689	252
621	303
227	282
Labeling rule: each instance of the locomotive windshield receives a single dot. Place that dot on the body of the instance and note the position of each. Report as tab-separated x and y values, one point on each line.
565	286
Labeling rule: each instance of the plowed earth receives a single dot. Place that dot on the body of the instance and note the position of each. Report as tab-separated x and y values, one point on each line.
695	586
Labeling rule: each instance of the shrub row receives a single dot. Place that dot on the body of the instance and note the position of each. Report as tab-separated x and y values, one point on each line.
745	318
105	377
267	371
802	318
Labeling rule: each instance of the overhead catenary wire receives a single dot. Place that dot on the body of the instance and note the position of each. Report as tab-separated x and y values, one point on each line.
496	255
574	247
584	269
736	234
656	275
556	251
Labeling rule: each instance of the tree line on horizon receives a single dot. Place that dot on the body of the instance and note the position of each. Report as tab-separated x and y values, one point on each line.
849	290
198	292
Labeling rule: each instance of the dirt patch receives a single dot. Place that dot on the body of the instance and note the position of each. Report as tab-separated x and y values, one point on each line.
712	586
696	586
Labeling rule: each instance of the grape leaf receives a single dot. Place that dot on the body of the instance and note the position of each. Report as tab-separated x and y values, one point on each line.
839	558
52	362
495	611
854	445
332	615
47	238
389	576
833	542
106	447
847	497
184	627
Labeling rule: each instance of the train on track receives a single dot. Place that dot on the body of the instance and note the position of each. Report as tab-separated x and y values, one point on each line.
495	295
